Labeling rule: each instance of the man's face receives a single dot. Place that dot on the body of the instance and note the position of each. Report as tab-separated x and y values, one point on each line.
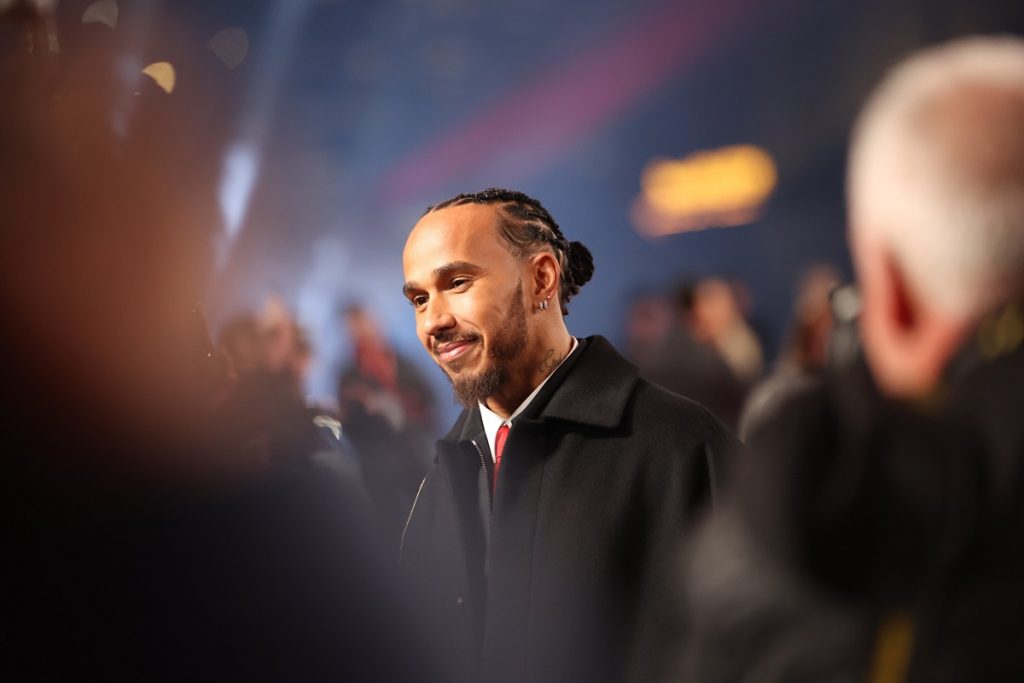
467	291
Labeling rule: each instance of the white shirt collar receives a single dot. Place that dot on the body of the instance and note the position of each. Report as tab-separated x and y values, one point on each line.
492	421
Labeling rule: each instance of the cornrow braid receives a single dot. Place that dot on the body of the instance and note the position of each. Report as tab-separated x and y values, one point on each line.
527	227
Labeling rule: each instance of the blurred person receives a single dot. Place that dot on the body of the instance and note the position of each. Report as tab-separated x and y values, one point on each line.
136	546
689	364
389	415
540	538
874	534
649	321
287	347
807	348
717	318
242	341
806	353
267	410
382	379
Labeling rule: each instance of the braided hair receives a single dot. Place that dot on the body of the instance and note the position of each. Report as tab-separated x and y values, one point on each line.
527	228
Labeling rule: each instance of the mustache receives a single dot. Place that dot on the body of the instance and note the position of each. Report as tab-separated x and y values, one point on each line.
448	337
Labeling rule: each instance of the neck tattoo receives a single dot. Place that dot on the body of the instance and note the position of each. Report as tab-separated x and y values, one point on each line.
549	362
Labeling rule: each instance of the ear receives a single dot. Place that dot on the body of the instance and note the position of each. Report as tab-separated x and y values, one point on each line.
545	276
898	303
885	312
907	342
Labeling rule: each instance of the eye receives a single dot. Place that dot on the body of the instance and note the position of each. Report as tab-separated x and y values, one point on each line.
418	300
458	282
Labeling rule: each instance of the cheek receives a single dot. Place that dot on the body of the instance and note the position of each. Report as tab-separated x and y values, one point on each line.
421	332
469	312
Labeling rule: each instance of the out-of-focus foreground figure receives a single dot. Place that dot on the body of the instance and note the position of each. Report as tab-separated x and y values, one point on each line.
139	543
875	532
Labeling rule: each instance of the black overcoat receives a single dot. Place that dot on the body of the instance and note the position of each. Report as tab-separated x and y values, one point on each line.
561	575
869	538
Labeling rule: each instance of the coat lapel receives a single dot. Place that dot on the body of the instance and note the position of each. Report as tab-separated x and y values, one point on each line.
593	390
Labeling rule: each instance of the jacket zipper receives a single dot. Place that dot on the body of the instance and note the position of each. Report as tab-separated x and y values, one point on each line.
401	544
487	480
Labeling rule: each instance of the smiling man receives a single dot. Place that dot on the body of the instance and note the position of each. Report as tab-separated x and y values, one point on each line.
541	540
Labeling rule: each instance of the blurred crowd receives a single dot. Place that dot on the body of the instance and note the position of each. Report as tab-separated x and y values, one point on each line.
176	509
380	430
699	340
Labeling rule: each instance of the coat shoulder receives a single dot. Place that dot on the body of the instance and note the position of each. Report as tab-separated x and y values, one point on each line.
661	410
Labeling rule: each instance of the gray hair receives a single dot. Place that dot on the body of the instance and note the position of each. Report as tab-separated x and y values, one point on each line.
937	171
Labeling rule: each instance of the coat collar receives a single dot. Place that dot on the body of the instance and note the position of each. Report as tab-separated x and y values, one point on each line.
591	388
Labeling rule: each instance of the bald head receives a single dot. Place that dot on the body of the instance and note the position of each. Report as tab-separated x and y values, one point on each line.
937	172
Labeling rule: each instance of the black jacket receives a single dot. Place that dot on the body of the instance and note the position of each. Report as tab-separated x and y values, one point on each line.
561	577
854	513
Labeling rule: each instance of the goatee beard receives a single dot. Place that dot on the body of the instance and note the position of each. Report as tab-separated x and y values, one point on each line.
505	347
468	391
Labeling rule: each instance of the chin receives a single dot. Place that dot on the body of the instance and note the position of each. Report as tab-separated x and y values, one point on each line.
451	369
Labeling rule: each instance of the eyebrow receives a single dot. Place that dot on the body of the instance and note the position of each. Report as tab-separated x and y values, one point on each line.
441	272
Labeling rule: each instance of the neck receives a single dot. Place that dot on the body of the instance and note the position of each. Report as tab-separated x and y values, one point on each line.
550	350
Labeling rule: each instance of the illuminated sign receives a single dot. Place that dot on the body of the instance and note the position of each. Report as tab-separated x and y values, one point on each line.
716	188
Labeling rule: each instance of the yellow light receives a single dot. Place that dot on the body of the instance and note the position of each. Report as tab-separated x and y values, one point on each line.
162	74
706	189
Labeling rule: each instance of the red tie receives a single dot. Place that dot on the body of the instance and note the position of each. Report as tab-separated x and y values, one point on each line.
499	446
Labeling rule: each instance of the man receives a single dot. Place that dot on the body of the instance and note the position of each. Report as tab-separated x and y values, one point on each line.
542	531
878	524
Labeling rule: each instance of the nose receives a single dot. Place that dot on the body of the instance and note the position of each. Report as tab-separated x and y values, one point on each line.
437	318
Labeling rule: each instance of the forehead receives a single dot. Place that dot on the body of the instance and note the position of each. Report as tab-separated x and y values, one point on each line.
456	233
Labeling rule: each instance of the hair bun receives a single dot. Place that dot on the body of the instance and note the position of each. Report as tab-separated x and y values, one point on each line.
581	264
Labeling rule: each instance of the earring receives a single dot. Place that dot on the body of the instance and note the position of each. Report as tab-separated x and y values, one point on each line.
543	305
